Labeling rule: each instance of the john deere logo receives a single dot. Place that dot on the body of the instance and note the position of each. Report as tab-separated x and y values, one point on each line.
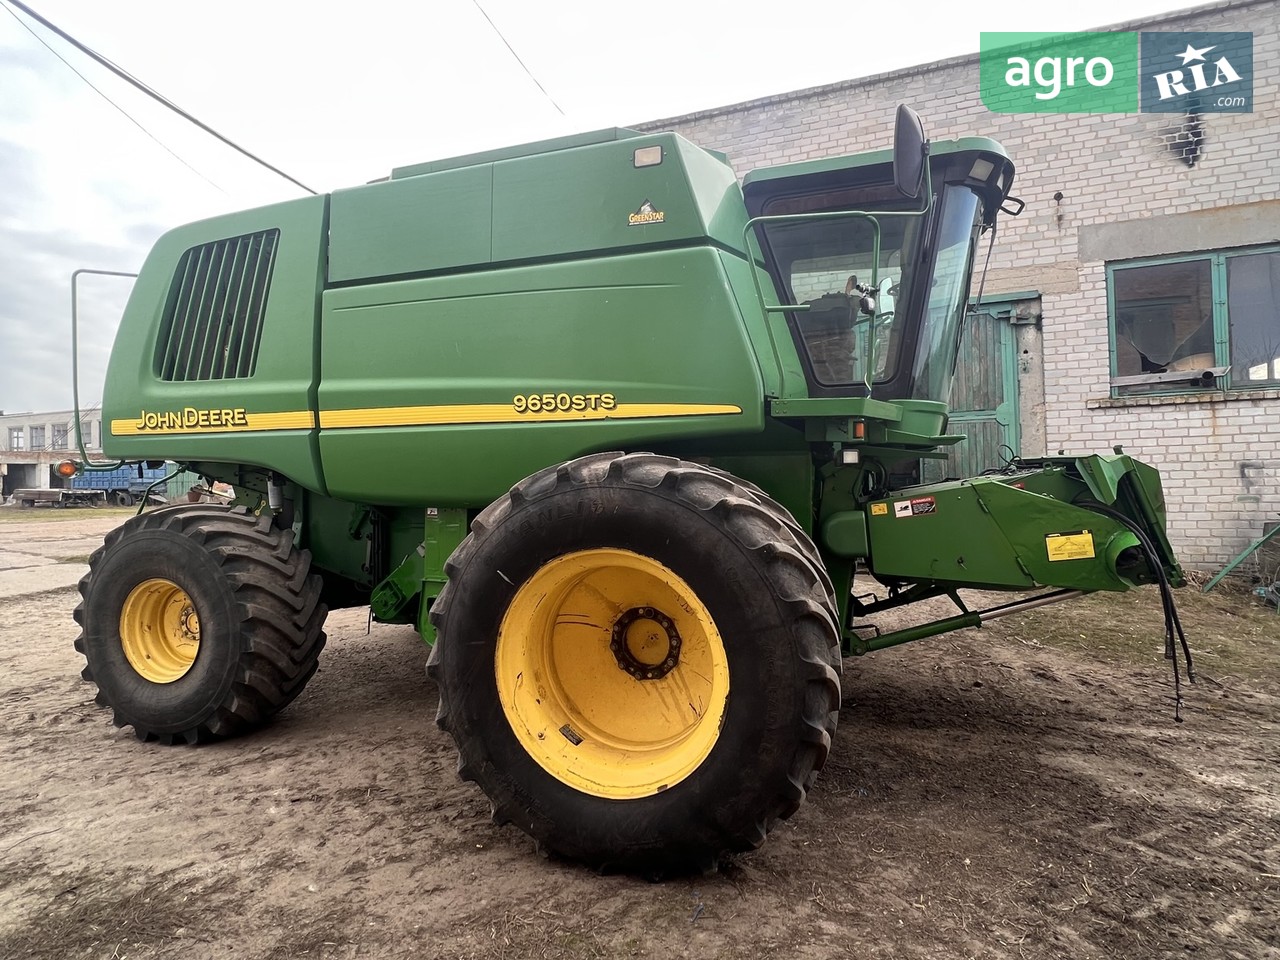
646	214
189	418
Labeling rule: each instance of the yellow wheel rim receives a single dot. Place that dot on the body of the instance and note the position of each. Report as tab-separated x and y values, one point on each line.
612	673
159	630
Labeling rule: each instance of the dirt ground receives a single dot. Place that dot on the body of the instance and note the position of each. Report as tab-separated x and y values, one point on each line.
1016	792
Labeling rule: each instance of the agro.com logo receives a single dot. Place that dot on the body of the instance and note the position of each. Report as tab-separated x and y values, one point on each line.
1117	72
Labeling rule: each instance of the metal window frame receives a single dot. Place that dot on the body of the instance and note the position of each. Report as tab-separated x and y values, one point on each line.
1271	383
1221	320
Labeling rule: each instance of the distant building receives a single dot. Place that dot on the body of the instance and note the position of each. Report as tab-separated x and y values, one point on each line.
32	444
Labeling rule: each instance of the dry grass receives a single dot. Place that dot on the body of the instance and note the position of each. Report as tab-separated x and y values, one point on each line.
1230	631
109	917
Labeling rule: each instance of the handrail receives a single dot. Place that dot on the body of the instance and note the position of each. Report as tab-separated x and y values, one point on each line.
75	367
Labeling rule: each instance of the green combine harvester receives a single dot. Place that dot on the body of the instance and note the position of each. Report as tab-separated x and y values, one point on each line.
630	443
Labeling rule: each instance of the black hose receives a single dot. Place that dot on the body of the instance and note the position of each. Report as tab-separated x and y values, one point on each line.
146	494
1172	623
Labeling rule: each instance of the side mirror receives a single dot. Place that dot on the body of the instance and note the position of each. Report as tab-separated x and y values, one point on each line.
910	152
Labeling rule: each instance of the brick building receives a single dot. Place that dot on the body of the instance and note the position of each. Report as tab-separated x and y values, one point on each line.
32	444
1146	261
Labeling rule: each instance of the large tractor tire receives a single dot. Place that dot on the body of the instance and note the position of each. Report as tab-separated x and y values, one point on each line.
636	657
199	622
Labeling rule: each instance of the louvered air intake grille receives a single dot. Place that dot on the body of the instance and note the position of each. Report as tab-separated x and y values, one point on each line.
212	322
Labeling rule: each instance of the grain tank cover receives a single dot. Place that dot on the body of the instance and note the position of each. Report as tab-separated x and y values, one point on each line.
588	139
598	194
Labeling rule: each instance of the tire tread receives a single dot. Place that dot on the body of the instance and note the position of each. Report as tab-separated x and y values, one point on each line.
278	599
804	593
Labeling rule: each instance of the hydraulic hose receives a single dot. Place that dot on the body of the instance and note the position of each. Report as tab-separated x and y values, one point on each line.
1172	623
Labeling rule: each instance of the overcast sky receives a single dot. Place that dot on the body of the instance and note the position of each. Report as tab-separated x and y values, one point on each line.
339	94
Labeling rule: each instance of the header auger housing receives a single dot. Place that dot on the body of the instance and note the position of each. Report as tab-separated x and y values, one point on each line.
615	433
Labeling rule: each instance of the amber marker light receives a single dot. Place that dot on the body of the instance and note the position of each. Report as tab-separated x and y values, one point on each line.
67	468
859	430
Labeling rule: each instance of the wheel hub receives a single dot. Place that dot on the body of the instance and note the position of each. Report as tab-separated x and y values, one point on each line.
645	643
574	641
159	630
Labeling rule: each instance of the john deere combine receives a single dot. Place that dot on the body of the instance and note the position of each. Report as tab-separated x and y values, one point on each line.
616	433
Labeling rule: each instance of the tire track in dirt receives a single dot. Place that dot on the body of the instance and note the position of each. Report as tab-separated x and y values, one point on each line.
983	798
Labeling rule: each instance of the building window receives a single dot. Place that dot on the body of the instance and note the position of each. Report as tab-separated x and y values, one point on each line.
59	436
1203	322
37	438
17	440
86	432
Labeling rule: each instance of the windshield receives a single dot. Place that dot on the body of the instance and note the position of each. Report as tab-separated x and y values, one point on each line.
822	263
948	293
857	275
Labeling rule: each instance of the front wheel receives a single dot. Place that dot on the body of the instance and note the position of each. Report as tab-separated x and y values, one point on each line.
635	658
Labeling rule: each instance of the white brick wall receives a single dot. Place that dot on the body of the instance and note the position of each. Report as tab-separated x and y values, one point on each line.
1220	460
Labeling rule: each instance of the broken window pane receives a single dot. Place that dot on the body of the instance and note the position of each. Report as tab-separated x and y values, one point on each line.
1164	318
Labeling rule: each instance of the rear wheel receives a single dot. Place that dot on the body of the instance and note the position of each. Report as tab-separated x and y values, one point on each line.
635	659
199	622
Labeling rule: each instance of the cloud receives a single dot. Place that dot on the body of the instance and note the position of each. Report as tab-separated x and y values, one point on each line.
36	263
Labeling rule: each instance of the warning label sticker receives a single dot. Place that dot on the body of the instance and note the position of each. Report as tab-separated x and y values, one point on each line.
915	507
879	509
1069	546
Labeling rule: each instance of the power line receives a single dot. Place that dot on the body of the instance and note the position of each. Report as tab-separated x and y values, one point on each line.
516	55
154	95
127	115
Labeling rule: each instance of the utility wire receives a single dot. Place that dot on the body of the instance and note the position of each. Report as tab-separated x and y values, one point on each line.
514	54
26	26
154	95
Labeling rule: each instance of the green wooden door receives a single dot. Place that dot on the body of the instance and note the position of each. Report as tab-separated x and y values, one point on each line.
984	398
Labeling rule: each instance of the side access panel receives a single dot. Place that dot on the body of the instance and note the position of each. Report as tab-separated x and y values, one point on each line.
444	391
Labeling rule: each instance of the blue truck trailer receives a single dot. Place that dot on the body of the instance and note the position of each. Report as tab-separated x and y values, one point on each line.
125	486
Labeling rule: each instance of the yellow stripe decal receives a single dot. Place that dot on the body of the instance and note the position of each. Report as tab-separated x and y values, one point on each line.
505	413
192	421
